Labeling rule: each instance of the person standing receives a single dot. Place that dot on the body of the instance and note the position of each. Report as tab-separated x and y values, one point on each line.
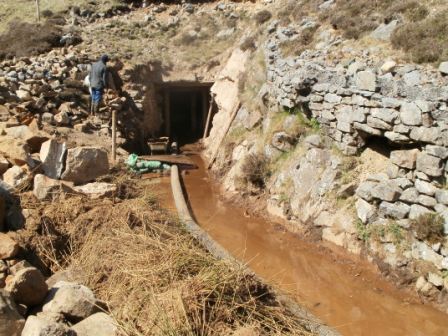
98	82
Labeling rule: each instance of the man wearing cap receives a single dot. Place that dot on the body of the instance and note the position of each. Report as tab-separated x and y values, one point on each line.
98	82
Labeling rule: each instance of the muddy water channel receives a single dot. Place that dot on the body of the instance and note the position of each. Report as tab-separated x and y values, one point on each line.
346	294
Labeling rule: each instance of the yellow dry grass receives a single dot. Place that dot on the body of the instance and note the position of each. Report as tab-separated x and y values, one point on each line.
154	277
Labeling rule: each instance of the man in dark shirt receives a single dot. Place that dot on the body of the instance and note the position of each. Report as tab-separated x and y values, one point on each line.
98	82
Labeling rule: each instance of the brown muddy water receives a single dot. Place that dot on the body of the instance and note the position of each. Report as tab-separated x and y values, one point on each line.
347	295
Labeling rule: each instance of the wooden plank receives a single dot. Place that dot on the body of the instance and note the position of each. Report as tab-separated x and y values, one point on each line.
171	159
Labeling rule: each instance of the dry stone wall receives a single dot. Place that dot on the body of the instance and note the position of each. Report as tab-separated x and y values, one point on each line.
355	100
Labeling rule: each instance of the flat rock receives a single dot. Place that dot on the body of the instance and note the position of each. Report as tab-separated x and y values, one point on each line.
28	287
99	324
14	176
8	247
84	164
386	191
76	302
37	326
11	322
396	210
15	150
46	188
404	158
52	155
97	190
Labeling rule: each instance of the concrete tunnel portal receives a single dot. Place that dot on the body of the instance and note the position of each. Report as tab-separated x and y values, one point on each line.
185	107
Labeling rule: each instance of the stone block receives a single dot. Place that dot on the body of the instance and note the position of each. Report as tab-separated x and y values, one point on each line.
378	123
99	324
417	210
430	165
367	129
52	155
84	164
37	326
396	137
97	190
365	190
410	114
365	80
386	191
14	176
8	247
28	287
424	187
410	195
443	68
386	114
442	196
396	210
427	201
438	151
366	211
405	158
76	302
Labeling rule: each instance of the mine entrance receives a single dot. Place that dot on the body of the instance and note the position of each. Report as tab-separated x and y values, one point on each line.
185	109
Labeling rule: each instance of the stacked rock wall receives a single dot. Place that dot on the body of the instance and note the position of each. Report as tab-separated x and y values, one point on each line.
357	98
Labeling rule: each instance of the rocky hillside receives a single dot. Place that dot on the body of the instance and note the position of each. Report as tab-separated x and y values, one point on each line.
342	137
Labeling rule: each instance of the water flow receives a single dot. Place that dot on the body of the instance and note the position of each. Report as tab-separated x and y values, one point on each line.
346	295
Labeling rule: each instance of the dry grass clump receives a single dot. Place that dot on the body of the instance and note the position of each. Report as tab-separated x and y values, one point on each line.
429	227
425	41
300	44
154	277
262	16
255	170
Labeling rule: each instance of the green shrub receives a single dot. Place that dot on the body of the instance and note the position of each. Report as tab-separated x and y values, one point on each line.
429	227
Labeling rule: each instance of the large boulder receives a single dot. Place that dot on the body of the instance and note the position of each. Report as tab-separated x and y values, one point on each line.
52	156
97	190
8	247
84	164
99	324
443	68
74	301
37	326
46	188
11	322
28	287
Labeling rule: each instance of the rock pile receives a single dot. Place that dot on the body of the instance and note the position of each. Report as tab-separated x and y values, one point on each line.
29	306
